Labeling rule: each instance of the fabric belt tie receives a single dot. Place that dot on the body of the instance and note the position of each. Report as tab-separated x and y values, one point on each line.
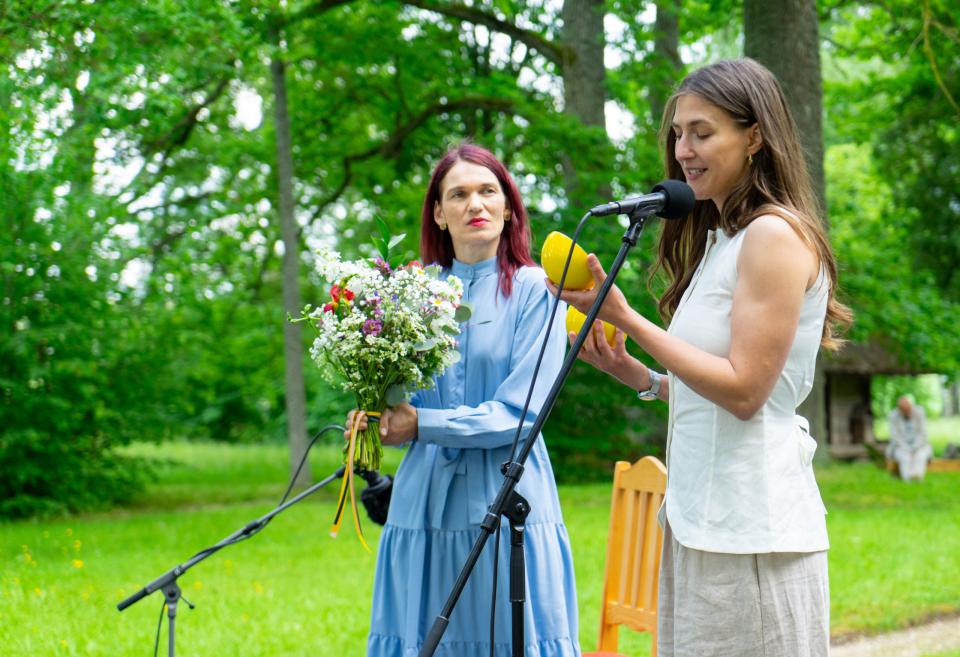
453	461
805	442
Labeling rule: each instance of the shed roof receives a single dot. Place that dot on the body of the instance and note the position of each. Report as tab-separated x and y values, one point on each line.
870	358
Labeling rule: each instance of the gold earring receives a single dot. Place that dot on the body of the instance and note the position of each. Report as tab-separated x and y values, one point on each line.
506	217
750	159
443	226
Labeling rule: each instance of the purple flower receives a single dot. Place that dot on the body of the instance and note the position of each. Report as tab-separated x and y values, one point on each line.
372	327
374	301
383	266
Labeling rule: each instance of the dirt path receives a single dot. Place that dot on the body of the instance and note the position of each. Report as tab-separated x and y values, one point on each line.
922	641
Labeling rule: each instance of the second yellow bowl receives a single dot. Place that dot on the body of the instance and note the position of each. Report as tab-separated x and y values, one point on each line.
575	320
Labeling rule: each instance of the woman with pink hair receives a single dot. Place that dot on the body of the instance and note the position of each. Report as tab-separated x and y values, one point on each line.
459	432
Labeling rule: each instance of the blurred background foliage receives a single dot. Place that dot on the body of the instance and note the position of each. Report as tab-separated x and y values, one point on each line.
141	247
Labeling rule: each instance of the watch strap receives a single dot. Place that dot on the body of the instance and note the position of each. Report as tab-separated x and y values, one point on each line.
653	391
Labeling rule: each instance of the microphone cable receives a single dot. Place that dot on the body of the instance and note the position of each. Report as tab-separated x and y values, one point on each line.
523	417
678	201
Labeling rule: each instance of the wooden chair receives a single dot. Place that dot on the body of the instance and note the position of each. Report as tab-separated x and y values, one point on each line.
633	554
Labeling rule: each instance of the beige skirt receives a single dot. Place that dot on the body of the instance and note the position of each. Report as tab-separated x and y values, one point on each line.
742	605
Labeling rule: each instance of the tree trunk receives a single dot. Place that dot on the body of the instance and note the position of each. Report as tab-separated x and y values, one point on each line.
783	36
584	89
665	62
295	393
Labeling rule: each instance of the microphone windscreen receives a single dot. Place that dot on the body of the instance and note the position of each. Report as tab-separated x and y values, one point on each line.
680	199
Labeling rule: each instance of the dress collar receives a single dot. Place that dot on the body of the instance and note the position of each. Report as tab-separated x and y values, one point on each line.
477	270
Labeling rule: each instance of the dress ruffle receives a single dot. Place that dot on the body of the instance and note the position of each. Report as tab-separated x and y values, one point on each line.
415	569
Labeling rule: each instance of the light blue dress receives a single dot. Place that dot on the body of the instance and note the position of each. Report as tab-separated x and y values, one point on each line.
451	474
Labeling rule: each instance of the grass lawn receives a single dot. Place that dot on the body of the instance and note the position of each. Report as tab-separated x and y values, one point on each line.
292	590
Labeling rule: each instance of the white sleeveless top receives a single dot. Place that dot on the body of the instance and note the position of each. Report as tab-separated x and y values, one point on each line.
737	486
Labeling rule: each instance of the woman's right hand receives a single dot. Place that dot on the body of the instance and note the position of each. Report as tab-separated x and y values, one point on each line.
615	307
614	360
398	424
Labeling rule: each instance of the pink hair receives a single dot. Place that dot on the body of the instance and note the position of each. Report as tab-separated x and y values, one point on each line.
513	251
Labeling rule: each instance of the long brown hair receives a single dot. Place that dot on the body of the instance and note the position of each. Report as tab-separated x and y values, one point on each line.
513	252
778	182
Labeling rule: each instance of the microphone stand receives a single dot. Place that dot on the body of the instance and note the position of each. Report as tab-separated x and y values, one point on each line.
508	502
167	582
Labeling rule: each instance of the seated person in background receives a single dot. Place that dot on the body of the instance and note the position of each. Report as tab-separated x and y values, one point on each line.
909	446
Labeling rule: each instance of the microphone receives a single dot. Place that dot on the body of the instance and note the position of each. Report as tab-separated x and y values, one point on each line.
376	496
670	199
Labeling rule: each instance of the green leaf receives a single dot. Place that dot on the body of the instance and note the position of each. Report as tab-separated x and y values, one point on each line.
381	247
396	239
384	230
463	313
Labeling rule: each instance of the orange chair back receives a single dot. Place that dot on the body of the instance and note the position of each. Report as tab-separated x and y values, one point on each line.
633	552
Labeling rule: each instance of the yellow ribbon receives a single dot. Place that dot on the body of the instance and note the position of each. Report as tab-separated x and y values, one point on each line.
347	483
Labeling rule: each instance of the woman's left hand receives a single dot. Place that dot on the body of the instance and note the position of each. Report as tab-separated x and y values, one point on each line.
615	307
398	424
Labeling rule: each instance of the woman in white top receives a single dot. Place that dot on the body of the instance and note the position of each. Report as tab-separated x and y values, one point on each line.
750	300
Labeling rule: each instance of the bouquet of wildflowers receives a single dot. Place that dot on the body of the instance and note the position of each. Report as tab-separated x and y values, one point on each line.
386	330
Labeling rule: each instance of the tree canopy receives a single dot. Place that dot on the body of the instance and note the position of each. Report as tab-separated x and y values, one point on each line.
141	256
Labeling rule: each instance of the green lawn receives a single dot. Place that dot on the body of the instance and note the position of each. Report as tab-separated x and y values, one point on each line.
292	590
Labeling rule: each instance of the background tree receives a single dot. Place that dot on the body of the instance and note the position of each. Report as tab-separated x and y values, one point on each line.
892	96
783	36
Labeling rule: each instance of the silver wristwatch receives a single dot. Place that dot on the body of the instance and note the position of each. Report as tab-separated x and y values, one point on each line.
651	393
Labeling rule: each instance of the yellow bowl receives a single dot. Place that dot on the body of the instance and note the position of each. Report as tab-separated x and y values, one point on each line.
575	320
554	255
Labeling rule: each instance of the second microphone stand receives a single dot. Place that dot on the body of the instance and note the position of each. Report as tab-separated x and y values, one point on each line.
508	502
167	583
